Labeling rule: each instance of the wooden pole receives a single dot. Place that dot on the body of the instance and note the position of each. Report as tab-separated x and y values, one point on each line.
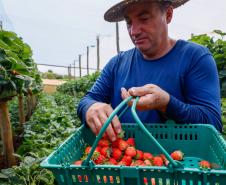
80	65
98	53
87	60
74	70
6	134
29	106
21	110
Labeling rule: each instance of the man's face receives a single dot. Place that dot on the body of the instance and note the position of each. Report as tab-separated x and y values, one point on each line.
147	26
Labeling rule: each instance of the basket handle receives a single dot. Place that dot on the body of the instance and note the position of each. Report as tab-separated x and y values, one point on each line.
87	161
149	135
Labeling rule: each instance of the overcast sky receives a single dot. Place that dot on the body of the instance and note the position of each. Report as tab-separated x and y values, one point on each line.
58	31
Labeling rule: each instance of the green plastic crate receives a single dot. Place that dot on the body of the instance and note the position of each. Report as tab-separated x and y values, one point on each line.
197	141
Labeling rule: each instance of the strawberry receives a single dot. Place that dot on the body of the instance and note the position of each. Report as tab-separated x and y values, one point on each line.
121	134
131	151
114	144
157	161
166	162
147	162
147	155
131	141
137	163
106	151
122	145
79	162
204	164
111	180
100	159
145	181
116	154
87	150
112	161
127	160
140	155
121	163
104	142
177	155
79	178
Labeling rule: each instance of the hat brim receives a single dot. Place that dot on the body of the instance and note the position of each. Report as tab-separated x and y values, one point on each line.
116	12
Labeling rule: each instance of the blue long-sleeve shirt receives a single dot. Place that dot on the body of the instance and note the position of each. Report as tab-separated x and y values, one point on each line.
187	72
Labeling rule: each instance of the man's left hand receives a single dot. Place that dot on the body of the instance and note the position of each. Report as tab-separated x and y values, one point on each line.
152	97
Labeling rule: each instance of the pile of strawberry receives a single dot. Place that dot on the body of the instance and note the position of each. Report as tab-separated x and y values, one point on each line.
124	152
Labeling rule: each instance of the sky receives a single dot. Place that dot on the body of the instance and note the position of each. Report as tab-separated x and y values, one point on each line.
58	31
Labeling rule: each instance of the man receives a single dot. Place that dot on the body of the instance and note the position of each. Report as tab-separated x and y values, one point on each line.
174	79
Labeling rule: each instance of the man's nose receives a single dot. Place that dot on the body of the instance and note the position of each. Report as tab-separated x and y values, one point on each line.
135	29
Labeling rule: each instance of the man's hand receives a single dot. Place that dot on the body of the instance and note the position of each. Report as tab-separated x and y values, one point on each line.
96	116
151	96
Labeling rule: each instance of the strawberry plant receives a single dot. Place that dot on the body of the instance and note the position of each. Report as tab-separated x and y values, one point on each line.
78	87
217	46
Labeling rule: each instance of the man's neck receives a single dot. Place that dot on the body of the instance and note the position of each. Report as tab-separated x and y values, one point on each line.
162	50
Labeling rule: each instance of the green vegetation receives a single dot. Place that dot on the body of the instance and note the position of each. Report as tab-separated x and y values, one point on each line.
217	46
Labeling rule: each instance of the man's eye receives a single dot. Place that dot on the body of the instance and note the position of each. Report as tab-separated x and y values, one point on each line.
144	18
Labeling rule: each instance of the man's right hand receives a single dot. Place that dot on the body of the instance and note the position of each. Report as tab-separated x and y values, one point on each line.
96	116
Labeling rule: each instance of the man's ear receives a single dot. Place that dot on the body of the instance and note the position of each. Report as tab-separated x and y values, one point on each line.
169	14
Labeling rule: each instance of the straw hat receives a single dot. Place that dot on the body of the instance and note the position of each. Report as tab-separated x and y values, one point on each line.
115	13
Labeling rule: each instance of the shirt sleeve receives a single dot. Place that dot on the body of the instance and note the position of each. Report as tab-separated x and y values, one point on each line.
100	91
202	94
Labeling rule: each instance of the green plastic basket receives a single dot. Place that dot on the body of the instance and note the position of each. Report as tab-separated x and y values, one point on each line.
197	141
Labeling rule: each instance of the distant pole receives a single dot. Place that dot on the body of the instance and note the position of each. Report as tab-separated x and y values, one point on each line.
98	53
87	60
1	25
80	65
74	69
117	38
68	72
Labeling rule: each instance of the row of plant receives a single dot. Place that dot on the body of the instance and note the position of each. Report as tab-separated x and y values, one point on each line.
80	86
19	77
54	119
49	126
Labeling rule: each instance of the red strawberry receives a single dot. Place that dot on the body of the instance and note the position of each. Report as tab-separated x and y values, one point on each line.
79	162
127	160
148	156
177	155
112	161
99	160
105	178
204	164
137	163
166	162
131	151
147	162
145	181
106	151
121	163
114	144
157	161
87	150
131	141
140	155
104	142
79	178
122	145
116	154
